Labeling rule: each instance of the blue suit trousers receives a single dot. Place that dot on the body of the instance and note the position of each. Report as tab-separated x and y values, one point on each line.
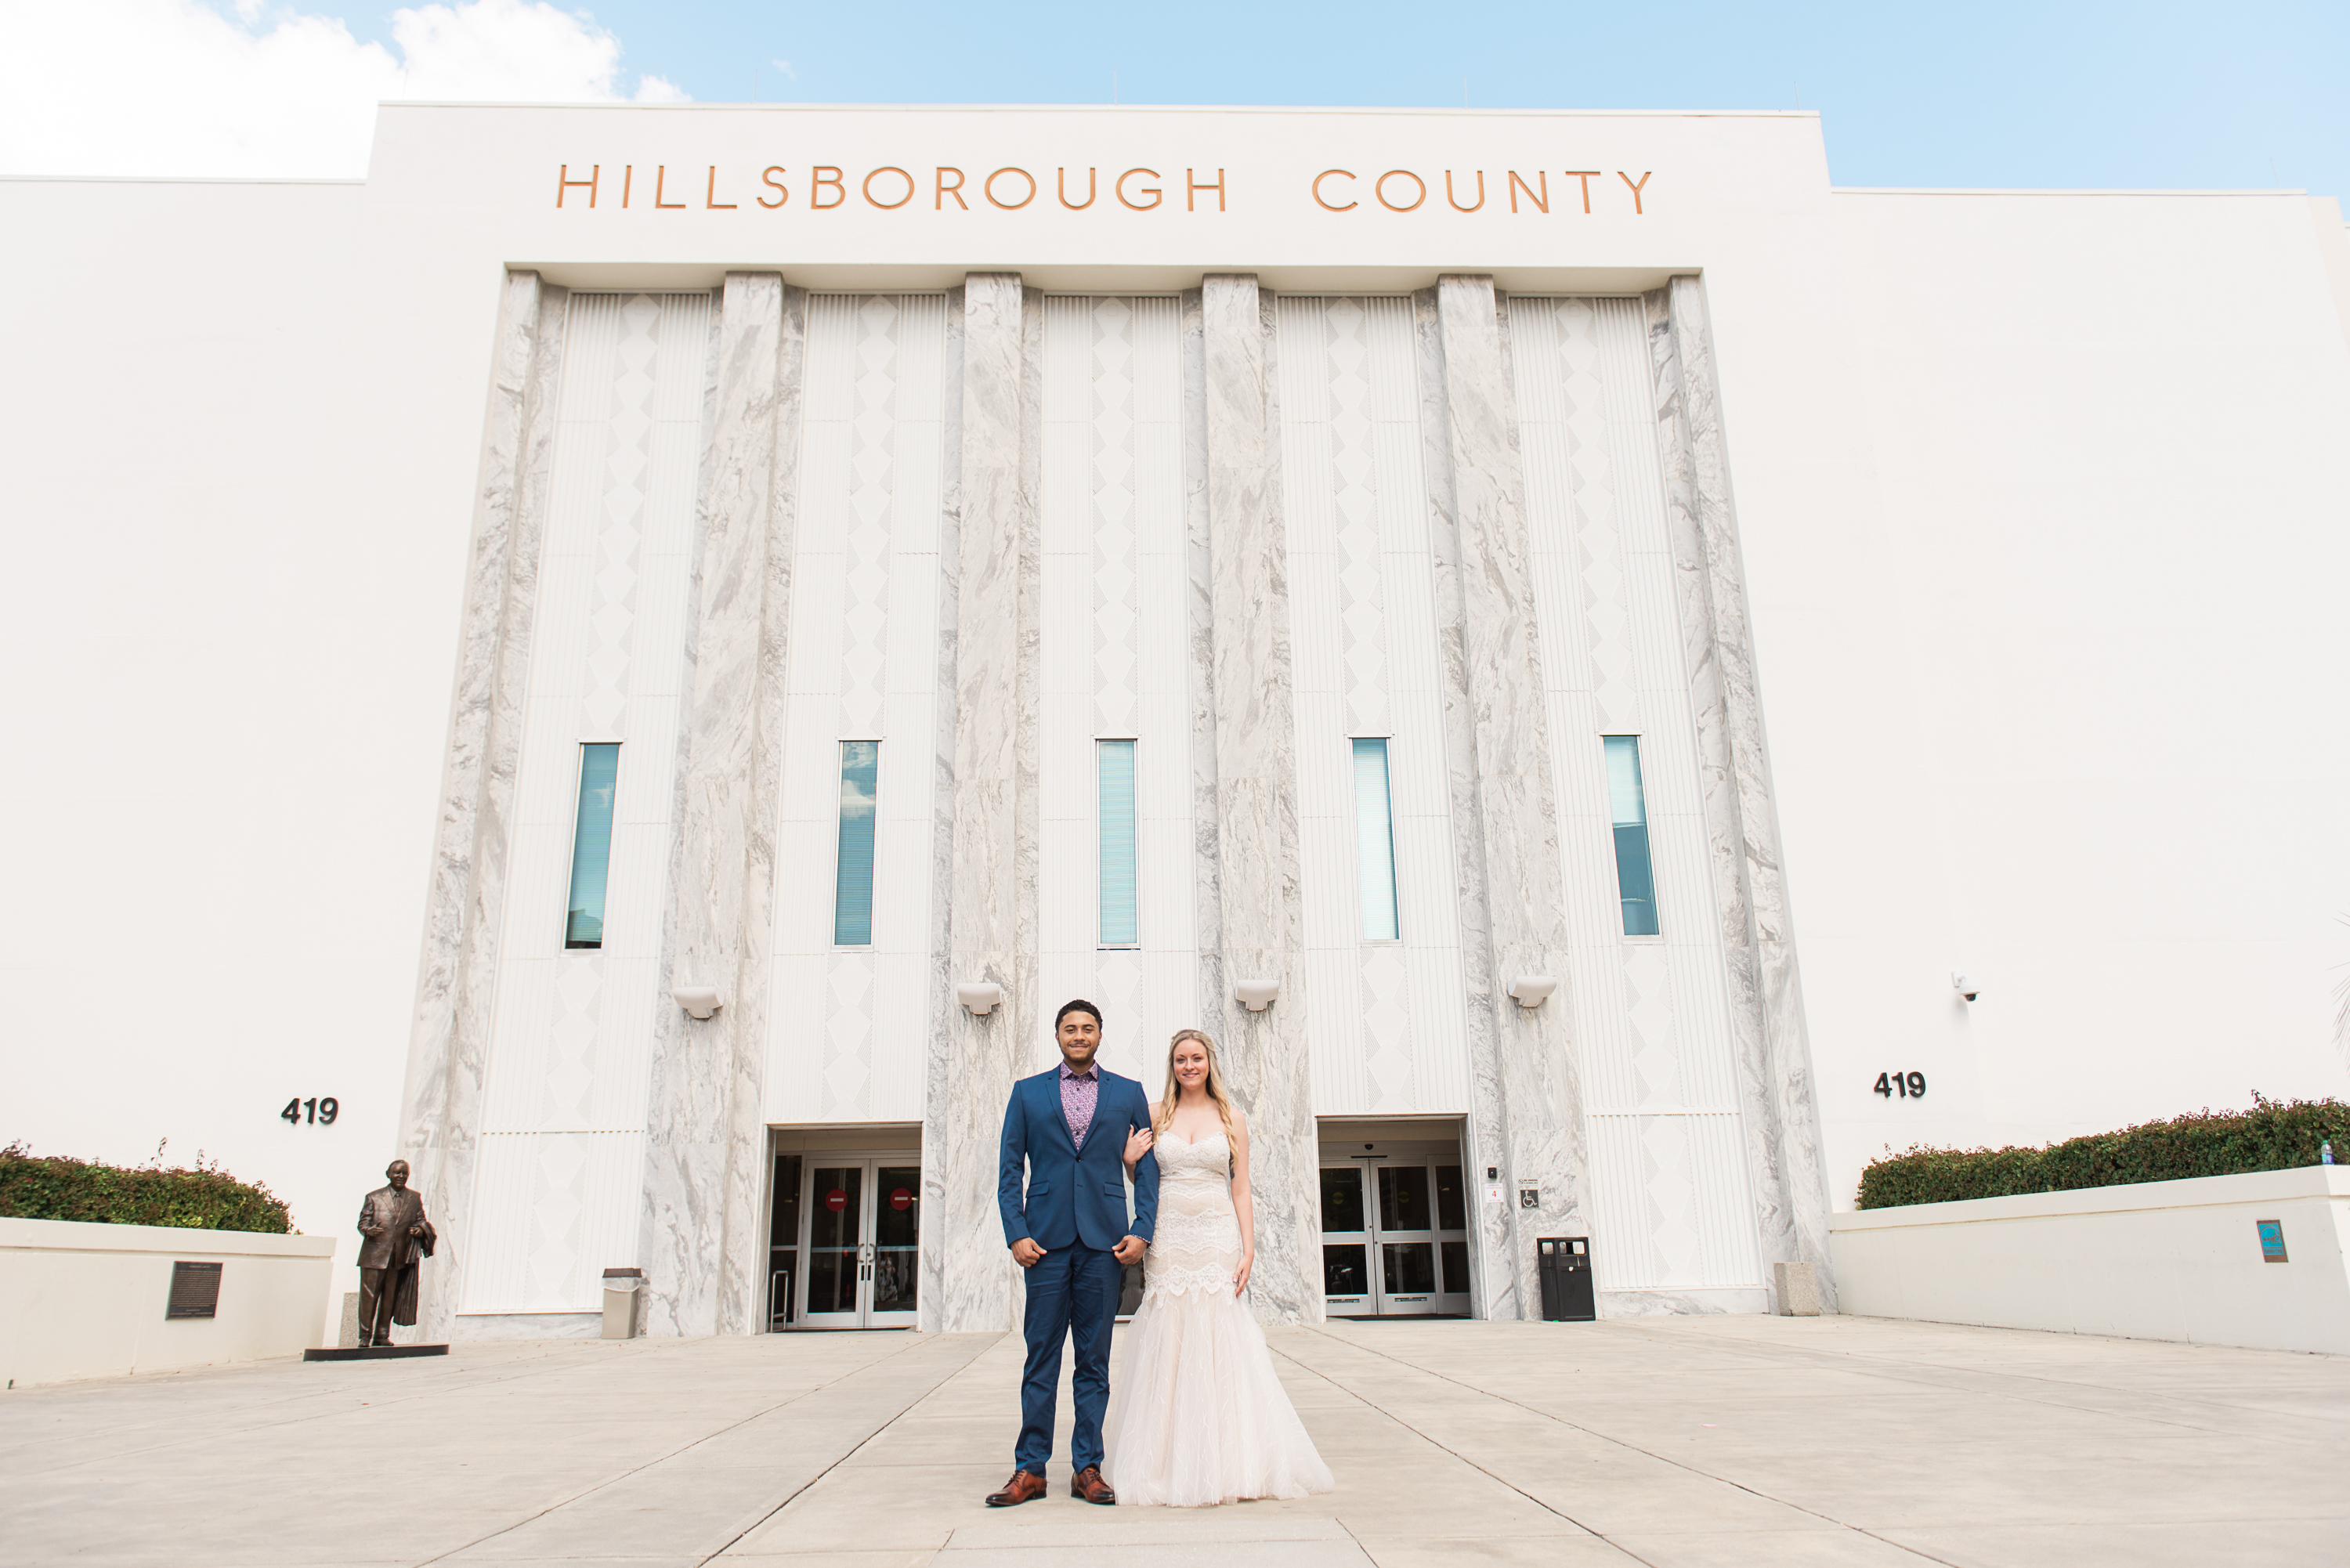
1072	1294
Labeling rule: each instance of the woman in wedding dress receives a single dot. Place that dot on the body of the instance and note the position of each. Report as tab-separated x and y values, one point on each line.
1197	1413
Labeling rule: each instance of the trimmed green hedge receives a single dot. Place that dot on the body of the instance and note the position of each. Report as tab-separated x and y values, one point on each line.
2275	1135
201	1197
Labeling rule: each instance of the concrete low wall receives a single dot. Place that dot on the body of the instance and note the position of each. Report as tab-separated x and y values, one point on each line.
87	1300
2158	1260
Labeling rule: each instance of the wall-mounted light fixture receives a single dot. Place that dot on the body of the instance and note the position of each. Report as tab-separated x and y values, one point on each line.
980	997
1256	995
699	1001
1964	984
1532	990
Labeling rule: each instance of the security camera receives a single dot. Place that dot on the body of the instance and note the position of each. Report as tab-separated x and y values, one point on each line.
1962	982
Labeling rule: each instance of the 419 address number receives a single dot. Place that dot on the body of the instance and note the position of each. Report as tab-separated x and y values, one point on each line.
316	1112
1908	1085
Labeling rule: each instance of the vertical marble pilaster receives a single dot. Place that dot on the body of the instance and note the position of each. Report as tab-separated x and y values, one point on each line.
945	1014
704	1145
1215	987
448	1054
1773	1047
992	882
1526	1112
1259	914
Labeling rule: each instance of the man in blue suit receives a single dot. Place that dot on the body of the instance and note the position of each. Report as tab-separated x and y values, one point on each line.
1070	1232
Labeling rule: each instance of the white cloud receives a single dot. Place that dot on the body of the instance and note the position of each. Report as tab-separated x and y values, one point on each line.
176	88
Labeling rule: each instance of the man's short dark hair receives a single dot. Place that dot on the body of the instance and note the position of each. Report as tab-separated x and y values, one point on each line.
1080	1005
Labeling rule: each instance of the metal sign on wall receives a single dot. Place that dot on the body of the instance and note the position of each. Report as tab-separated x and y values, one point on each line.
195	1291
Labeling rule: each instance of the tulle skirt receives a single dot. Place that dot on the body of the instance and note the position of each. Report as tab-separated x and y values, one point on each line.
1197	1413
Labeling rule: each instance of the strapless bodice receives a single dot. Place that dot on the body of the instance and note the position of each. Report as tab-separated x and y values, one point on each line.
1181	1159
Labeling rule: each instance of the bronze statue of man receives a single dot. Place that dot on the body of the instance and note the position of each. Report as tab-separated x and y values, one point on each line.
398	1235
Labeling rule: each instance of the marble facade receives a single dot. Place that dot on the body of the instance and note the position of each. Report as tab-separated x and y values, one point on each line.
1259	921
1440	586
991	778
1526	1120
1774	1054
704	1165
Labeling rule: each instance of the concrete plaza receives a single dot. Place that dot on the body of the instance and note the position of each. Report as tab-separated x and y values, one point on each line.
1671	1442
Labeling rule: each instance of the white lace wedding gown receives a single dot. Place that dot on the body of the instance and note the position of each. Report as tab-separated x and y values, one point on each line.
1197	1413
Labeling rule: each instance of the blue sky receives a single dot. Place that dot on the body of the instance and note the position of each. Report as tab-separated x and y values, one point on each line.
1991	94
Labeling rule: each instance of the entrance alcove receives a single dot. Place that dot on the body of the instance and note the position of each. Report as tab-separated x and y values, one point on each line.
1395	1203
843	1227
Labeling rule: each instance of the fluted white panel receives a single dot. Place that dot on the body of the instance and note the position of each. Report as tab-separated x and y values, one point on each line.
1669	1199
1114	664
1672	1208
1325	810
559	1208
557	1186
1166	837
846	1026
1418	780
1388	1033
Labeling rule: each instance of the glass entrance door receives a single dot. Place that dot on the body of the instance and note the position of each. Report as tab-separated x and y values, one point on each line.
895	1267
861	1242
834	1202
1405	1223
1394	1239
1346	1243
784	1243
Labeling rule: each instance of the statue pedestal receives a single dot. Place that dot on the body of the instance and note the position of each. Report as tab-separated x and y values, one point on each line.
373	1352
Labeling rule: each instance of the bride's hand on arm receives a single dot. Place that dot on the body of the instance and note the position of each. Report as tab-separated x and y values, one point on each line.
1137	1143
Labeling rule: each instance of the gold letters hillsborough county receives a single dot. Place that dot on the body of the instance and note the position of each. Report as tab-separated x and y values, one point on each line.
1012	189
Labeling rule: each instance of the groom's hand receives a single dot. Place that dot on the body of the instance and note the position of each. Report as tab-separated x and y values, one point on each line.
1129	1251
1025	1252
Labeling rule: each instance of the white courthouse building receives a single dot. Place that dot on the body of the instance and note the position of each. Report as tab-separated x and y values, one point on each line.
1584	624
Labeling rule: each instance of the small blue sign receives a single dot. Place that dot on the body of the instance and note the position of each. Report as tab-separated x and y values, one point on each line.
2271	1241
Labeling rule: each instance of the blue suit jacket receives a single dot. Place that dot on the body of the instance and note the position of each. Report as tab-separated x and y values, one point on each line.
1074	1194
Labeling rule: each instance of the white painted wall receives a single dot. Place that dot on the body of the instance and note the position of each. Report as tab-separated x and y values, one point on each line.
2063	710
236	533
2158	1260
87	1300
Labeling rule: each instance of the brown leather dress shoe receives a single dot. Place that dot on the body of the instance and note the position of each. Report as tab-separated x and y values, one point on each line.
1024	1485
1088	1483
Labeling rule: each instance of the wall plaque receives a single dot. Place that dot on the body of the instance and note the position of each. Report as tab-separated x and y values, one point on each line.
2271	1241
195	1291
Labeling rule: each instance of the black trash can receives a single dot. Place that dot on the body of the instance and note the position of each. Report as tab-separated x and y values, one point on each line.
1565	1263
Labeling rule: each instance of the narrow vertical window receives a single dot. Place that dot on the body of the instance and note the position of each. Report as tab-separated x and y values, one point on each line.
852	881
1113	762
1375	841
1627	809
591	845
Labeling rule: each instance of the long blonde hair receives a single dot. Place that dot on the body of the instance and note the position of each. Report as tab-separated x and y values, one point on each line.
1213	1083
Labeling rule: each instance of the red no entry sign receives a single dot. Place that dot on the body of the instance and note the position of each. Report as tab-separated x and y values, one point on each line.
836	1200
901	1198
